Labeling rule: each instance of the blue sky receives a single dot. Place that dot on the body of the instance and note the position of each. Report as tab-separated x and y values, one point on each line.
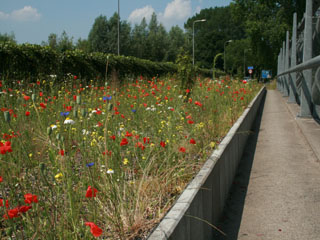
33	20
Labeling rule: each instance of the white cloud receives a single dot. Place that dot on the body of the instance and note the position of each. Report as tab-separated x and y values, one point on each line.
25	14
177	10
4	15
138	14
175	13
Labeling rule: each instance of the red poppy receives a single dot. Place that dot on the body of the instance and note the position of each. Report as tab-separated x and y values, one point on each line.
61	152
6	147
128	134
43	105
146	140
24	209
198	103
12	213
188	90
1	179
41	94
113	137
30	198
91	192
75	77
192	141
124	141
162	144
1	202
26	97
95	230
190	122
68	108
182	149
27	113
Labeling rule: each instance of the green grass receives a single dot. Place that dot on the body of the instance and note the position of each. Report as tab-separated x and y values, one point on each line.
138	145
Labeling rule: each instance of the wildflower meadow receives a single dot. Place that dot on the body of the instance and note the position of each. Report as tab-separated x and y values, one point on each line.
85	159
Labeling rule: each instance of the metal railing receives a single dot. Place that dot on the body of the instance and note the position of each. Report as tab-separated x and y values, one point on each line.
299	62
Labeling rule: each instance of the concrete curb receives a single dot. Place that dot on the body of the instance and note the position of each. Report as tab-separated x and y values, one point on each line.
201	203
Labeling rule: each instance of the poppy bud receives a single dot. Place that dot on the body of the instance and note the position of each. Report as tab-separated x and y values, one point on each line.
42	167
83	112
78	99
75	113
49	131
110	106
7	117
58	136
33	97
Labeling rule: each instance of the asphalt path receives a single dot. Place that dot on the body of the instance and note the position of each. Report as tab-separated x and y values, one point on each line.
276	191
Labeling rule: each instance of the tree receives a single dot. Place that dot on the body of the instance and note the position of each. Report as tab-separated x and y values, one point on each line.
7	38
65	43
139	39
99	34
53	40
83	44
211	35
157	40
61	44
266	23
177	40
103	36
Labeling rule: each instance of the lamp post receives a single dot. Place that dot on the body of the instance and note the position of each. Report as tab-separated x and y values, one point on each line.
202	20
244	61
224	50
118	27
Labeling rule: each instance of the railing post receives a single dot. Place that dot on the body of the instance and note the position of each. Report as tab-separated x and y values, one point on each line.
306	105
286	67
293	76
283	63
278	71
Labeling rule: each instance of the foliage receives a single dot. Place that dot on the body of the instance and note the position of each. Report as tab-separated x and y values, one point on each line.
28	61
80	159
7	38
186	72
211	35
266	23
61	44
239	55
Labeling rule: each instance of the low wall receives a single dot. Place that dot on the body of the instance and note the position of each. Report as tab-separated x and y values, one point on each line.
201	203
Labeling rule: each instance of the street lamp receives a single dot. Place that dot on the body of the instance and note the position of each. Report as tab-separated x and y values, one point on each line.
118	27
224	50
202	20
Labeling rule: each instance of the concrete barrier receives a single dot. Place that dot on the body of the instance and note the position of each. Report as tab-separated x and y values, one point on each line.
200	205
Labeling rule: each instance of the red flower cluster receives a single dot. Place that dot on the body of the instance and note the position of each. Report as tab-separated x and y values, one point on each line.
6	147
15	212
94	229
30	198
91	192
162	144
124	141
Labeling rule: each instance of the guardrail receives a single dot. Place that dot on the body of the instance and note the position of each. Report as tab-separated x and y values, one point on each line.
299	62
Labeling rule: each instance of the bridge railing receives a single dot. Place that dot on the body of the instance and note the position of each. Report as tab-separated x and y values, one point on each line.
298	74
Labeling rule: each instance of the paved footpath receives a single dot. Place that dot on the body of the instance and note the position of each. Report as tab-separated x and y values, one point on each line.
276	193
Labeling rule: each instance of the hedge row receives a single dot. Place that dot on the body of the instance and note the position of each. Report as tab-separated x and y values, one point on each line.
28	61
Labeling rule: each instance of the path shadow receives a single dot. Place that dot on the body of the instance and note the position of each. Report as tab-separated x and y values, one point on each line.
232	214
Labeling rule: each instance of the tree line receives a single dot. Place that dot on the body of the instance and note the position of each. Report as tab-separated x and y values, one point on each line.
247	32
